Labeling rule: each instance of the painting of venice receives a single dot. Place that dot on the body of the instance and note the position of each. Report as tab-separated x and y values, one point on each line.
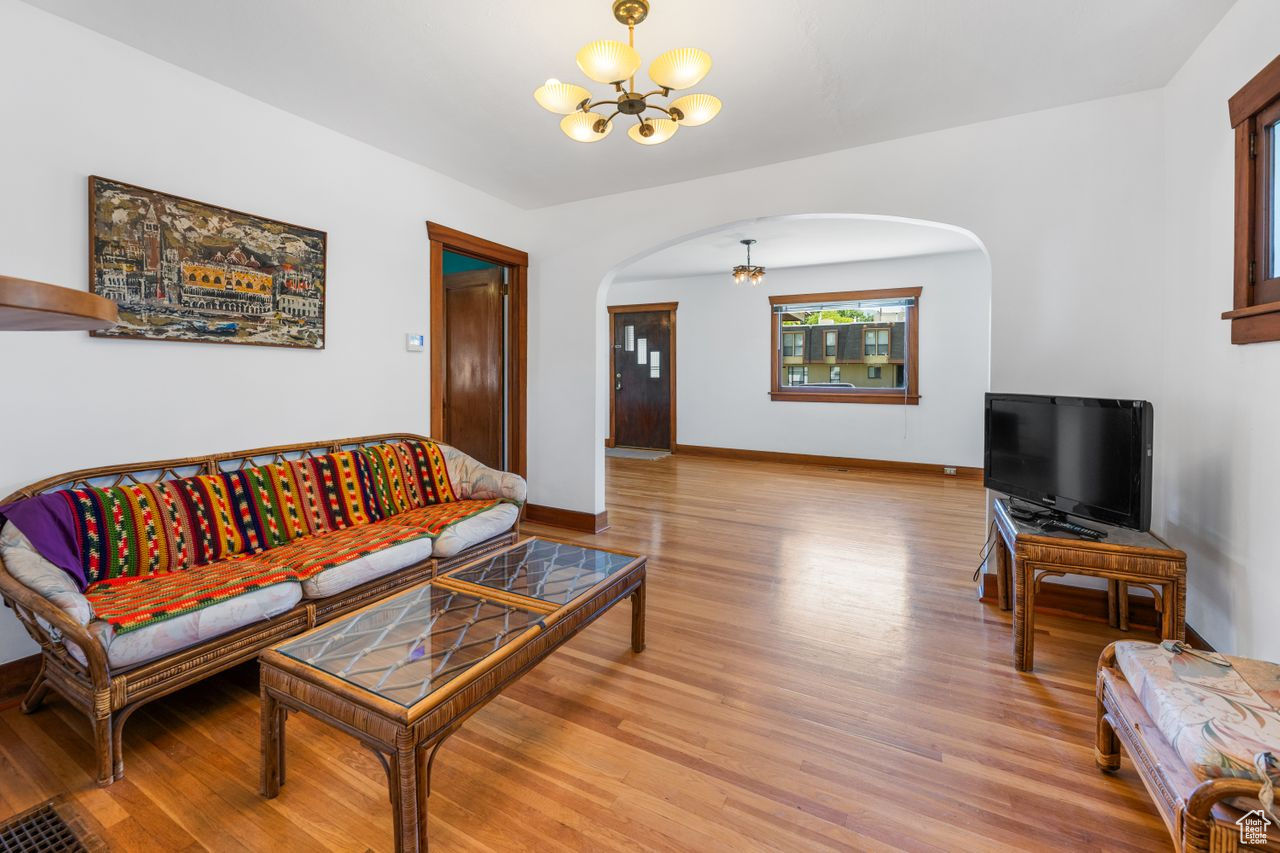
180	270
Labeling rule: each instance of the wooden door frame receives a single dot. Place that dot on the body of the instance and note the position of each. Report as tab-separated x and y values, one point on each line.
448	239
656	307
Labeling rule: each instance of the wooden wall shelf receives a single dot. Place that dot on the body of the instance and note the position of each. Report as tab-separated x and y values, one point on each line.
29	306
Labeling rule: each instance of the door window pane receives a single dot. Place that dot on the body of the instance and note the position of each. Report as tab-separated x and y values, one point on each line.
642	350
629	339
655	371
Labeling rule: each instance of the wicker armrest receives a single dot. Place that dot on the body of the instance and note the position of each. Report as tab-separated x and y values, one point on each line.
35	612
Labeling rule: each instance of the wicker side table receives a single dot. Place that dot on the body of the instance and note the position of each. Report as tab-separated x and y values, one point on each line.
1025	555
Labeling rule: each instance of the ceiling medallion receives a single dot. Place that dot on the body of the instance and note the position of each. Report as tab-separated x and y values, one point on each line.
615	63
742	272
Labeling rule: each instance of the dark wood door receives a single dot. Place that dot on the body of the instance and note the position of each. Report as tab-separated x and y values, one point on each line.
473	415
642	379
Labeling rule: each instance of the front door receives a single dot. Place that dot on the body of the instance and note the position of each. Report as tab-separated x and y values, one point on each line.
474	362
642	378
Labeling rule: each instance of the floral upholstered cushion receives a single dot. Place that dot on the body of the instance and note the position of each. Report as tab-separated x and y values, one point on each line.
476	481
1218	718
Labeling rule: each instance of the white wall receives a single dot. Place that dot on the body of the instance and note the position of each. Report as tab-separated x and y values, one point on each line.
723	351
1067	203
75	103
1218	428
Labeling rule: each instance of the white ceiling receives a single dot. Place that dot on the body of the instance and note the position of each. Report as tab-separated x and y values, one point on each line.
797	241
449	84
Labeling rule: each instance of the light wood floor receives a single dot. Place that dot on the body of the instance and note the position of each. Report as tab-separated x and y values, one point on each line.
818	675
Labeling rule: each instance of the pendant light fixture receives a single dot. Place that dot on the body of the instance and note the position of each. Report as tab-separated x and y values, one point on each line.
743	272
616	63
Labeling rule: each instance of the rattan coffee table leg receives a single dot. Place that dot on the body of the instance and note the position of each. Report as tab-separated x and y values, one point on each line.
409	788
272	723
637	618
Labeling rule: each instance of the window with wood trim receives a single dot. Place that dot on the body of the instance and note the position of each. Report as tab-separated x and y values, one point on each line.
849	338
1255	116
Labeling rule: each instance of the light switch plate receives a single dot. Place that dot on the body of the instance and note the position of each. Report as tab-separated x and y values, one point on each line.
414	343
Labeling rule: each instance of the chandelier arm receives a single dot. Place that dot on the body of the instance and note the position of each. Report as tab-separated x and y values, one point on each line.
612	117
660	109
661	90
589	107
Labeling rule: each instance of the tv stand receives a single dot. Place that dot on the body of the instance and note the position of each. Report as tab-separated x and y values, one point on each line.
1025	554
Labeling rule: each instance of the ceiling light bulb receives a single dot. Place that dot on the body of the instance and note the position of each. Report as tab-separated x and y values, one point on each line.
739	275
580	127
757	276
608	61
681	68
697	109
663	129
560	98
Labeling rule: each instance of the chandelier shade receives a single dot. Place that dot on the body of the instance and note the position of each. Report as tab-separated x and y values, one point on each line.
663	129
697	109
608	61
615	64
682	68
581	127
561	98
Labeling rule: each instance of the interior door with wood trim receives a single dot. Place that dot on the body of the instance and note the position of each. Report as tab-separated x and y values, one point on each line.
642	379
474	361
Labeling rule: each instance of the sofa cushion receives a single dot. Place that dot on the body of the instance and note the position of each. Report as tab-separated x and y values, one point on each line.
1218	718
132	603
485	525
344	576
473	479
173	635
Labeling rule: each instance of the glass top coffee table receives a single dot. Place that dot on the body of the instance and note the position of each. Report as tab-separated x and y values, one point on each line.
403	674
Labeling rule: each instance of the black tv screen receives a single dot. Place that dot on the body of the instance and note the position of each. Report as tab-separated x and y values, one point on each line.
1085	457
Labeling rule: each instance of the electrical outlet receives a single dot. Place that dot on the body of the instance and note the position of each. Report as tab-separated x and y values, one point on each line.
949	470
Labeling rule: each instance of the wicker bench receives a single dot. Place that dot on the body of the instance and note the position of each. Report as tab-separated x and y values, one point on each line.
77	662
1194	725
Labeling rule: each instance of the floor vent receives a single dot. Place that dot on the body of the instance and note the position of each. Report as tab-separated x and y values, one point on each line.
38	830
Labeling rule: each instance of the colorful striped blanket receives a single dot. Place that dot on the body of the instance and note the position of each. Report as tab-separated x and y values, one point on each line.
139	530
130	603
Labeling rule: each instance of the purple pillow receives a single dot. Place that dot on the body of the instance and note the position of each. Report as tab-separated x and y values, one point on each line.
49	524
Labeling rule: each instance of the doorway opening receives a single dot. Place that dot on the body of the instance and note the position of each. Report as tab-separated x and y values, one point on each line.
479	333
642	364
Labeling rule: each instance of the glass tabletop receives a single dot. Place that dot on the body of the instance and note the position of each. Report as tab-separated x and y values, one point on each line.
411	644
554	572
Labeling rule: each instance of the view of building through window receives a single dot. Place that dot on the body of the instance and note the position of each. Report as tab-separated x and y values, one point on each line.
848	345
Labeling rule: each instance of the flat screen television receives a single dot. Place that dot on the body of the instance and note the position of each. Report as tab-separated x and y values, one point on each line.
1084	457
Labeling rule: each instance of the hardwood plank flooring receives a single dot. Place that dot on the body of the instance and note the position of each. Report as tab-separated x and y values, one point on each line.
819	676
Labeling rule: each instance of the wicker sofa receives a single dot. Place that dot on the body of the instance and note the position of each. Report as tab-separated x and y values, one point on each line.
397	510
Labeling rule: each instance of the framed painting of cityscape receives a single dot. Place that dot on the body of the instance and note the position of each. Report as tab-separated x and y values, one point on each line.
182	270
